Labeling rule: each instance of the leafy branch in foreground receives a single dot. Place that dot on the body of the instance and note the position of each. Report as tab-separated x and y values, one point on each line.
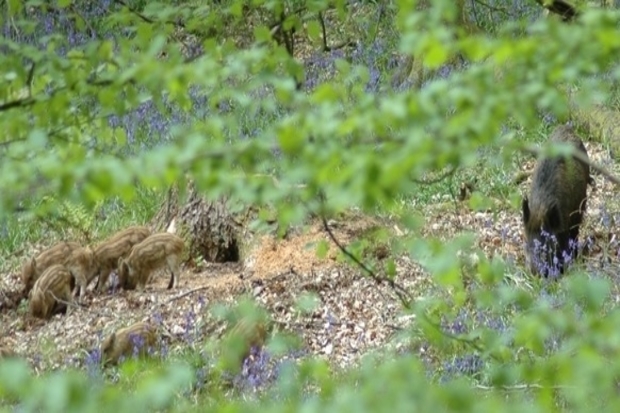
243	116
401	292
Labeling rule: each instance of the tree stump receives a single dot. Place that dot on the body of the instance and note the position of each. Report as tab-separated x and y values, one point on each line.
210	228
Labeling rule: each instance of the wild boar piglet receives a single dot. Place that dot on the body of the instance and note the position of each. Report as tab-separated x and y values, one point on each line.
108	252
56	254
156	251
51	293
136	339
83	266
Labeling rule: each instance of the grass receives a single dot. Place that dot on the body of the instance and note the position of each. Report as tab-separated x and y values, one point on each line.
71	221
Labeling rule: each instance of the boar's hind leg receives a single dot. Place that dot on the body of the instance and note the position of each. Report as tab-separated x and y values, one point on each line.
173	267
172	279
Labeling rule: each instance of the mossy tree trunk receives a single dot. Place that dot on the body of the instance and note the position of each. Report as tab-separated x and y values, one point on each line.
602	125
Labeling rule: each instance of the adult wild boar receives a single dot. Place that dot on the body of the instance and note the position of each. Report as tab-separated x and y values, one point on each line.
553	211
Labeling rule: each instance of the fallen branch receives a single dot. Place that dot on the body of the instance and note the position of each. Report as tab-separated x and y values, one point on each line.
532	150
185	294
81	307
402	294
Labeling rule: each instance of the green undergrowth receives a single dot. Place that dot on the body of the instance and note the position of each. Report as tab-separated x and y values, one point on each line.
66	220
69	219
479	349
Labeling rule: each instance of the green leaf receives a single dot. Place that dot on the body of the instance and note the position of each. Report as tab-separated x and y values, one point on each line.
479	202
156	45
236	9
322	248
107	97
262	34
308	302
37	139
314	30
390	268
592	292
436	54
289	140
15	377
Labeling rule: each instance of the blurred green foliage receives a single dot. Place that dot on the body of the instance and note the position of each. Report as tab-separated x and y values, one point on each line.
78	127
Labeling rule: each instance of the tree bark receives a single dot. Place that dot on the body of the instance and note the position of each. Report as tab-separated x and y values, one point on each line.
211	230
602	125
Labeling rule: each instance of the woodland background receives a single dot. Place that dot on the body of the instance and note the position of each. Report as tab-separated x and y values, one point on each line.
349	172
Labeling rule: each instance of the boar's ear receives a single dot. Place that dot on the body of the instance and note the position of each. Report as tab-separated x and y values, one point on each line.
525	208
33	264
552	217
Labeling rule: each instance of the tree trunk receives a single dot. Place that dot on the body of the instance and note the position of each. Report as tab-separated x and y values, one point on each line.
412	72
603	125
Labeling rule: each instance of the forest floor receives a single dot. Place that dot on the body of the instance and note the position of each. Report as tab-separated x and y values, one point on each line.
356	314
